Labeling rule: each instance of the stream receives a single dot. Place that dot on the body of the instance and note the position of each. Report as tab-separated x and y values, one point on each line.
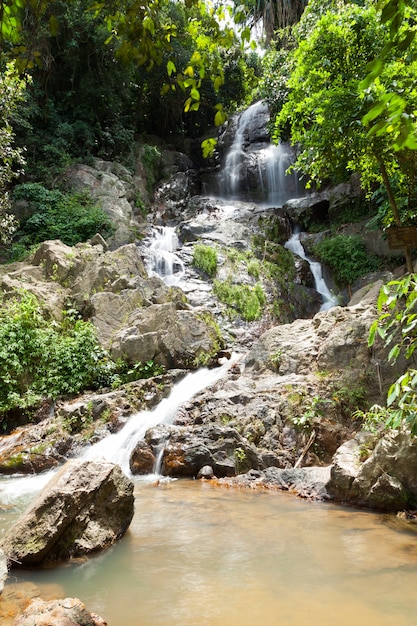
197	554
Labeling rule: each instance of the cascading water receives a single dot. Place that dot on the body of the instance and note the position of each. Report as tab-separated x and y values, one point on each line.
329	299
254	169
118	447
162	260
278	185
231	173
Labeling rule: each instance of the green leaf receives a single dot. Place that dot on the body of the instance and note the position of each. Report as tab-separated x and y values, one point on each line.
394	353
217	83
195	94
374	112
171	67
148	24
372	333
219	118
208	146
375	68
53	25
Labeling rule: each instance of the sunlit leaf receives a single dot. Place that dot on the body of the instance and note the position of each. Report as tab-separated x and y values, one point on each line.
171	67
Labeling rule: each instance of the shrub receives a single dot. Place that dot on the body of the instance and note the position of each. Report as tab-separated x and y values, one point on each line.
151	159
47	359
347	258
40	358
70	217
246	300
205	259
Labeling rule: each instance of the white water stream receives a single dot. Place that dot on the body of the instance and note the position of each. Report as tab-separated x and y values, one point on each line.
118	447
231	171
269	160
329	299
162	260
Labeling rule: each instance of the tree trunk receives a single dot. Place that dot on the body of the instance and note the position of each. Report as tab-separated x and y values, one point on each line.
395	212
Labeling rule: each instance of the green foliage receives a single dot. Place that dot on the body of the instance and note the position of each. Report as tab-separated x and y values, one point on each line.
397	324
246	300
273	84
70	217
349	394
240	458
47	359
123	373
330	116
11	158
397	327
347	258
105	72
205	259
151	159
313	410
389	112
44	359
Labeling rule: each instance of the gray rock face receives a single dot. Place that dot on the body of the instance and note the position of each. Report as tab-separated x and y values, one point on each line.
344	469
386	481
186	452
86	507
165	335
114	187
135	315
66	612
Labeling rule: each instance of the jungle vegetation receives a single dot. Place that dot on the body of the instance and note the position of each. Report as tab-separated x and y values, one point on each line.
82	79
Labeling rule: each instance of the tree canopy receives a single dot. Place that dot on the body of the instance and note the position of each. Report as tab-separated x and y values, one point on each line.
339	124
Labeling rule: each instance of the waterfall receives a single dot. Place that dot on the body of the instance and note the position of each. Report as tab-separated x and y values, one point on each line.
118	447
254	169
329	299
279	186
232	170
162	260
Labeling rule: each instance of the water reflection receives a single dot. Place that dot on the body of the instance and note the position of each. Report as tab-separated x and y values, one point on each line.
207	556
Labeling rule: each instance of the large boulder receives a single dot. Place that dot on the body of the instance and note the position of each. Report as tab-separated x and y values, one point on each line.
386	481
185	451
86	507
113	186
334	340
344	469
167	336
66	612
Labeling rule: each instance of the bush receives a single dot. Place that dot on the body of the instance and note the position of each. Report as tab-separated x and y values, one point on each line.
346	257
70	217
205	259
40	358
244	299
47	359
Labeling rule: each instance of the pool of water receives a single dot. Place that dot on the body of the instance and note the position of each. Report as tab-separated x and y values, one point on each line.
197	554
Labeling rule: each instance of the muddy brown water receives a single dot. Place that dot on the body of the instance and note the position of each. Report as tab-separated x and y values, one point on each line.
200	555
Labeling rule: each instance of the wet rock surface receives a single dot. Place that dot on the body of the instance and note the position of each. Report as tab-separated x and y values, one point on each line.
85	507
65	612
385	481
